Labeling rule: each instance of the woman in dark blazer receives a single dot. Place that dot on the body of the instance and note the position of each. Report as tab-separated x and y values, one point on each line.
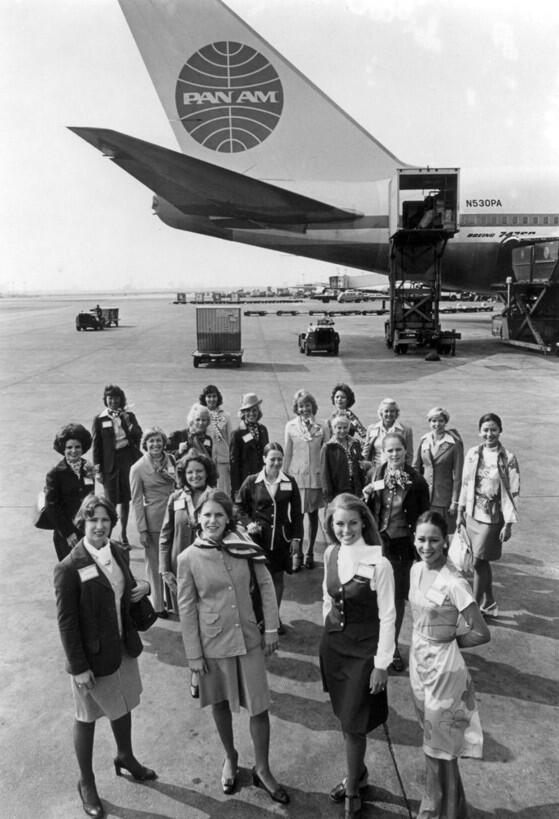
94	591
116	441
397	495
67	484
270	508
247	442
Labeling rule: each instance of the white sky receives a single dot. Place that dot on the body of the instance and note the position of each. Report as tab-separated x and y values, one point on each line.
443	82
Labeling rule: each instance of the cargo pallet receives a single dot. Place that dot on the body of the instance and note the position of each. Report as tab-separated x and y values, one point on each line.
218	334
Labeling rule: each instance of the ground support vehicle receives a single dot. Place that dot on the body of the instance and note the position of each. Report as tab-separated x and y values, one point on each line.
320	338
420	228
218	336
530	318
89	321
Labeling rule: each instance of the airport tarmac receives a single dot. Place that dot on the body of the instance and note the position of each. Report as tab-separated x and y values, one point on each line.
51	374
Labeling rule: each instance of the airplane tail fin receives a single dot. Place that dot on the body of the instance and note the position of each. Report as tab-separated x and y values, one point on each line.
234	101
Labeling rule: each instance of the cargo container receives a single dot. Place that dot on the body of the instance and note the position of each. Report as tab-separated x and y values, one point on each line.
218	336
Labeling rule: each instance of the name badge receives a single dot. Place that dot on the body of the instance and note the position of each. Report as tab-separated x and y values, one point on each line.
88	573
88	482
107	424
285	485
248	437
436	596
378	486
179	504
366	570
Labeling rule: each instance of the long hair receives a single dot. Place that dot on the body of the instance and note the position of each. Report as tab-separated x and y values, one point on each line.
220	497
351	503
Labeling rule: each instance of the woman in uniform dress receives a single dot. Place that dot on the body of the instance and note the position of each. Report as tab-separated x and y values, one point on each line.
440	459
487	505
67	484
247	442
397	495
219	431
445	619
152	479
341	465
94	591
358	638
304	437
269	505
116	440
222	641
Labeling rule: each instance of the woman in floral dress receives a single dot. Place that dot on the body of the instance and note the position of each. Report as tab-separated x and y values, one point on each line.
445	619
219	431
487	505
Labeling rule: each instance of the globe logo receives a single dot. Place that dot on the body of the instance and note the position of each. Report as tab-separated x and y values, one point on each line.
229	97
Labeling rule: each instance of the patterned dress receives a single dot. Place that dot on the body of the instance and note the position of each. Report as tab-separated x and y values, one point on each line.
442	688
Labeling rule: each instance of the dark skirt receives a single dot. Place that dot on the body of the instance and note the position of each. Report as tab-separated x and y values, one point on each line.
346	666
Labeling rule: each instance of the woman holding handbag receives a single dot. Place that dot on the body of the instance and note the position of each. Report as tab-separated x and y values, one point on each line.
445	619
94	593
222	641
358	639
66	485
487	505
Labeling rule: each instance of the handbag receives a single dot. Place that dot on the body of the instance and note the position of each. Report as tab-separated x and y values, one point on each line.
41	517
143	614
256	597
378	709
460	551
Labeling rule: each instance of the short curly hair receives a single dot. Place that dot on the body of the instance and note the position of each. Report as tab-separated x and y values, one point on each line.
211	389
205	460
350	395
76	432
304	395
114	389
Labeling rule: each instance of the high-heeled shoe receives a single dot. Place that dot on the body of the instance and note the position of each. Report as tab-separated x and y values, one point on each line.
92	806
308	562
338	793
137	771
279	795
352	807
229	783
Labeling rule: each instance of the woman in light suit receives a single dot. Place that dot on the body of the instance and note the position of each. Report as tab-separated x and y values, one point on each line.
304	437
221	637
152	479
389	421
94	592
440	458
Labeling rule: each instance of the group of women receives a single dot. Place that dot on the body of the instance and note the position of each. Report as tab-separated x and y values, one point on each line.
221	566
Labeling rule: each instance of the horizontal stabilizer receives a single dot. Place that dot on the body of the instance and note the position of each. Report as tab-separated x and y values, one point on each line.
198	188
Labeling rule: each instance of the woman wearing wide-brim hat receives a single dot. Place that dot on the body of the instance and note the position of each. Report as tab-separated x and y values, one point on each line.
247	441
67	484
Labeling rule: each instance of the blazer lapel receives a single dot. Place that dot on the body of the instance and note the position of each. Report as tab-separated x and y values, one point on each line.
81	558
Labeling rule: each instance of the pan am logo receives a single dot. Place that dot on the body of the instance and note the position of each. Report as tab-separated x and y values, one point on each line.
229	97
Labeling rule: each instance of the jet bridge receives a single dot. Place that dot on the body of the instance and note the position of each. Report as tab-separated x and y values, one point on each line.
530	318
423	216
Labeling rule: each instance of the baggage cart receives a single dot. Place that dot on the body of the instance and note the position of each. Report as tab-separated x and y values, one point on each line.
218	336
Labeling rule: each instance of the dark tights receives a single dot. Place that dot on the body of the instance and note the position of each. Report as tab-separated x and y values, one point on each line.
84	733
